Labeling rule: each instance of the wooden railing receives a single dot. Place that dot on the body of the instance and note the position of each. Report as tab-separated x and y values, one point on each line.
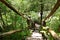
53	10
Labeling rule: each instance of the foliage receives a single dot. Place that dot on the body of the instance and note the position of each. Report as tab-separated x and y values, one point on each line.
28	7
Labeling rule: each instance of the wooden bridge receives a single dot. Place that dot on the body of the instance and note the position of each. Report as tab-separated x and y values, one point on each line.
35	35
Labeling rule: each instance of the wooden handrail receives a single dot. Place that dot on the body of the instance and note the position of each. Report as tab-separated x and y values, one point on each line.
12	8
54	34
53	10
10	32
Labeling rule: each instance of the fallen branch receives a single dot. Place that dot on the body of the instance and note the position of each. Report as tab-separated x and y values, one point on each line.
10	32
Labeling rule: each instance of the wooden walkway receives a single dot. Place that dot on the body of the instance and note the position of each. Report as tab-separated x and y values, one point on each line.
35	36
